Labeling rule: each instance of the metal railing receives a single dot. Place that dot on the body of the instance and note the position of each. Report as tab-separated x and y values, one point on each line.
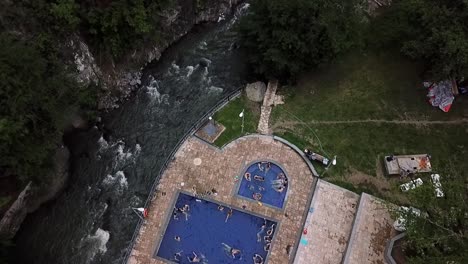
226	99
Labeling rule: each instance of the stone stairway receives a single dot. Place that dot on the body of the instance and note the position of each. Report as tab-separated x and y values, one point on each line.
268	101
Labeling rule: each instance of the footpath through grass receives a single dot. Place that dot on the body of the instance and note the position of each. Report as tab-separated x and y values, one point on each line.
229	118
370	87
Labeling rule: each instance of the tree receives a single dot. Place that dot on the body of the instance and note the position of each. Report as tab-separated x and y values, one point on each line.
284	37
431	30
440	234
37	94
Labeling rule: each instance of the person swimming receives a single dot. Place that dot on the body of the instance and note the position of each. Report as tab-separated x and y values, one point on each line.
174	214
270	231
178	255
194	258
267	239
257	259
185	209
257	196
177	238
233	252
260	166
229	214
267	247
259	234
220	208
259	178
247	176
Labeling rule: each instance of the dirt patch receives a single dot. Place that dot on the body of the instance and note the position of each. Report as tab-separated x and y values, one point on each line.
379	182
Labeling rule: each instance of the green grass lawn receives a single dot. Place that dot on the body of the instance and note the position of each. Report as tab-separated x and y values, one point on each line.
362	87
229	118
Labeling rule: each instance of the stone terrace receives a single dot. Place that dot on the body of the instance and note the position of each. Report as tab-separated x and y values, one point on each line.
328	225
202	167
371	232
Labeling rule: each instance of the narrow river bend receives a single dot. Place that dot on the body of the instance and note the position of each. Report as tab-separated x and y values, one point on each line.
114	166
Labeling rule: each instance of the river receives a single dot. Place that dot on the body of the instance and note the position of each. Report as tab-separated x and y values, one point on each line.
115	163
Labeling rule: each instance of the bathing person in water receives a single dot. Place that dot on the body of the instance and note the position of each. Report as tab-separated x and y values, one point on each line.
220	207
257	259
257	196
270	231
185	210
267	247
233	252
259	178
247	176
259	234
174	214
229	214
267	239
178	255
260	166
177	238
194	258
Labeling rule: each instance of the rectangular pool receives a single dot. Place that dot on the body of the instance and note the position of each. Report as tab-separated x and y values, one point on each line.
207	233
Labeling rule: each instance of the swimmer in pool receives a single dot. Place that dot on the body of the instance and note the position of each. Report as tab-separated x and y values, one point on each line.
247	176
267	247
178	255
177	238
257	196
267	239
174	214
259	178
233	252
194	258
185	210
220	208
257	259
259	234
260	167
229	214
270	231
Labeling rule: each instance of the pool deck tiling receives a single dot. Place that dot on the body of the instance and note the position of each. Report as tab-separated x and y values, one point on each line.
371	231
329	224
199	167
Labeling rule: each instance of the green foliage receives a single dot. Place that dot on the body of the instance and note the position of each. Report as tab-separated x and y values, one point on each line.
66	11
286	36
36	96
120	24
434	31
441	236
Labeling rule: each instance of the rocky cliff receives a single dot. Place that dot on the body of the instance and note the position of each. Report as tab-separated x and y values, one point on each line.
118	80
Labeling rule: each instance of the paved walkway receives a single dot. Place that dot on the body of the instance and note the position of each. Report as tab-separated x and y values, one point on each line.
268	102
202	167
371	232
329	224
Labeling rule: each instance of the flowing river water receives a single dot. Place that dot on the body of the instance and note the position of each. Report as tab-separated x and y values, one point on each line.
114	166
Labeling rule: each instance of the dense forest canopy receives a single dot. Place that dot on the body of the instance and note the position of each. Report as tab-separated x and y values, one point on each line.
285	37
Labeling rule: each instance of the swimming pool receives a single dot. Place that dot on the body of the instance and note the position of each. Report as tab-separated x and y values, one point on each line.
265	182
207	233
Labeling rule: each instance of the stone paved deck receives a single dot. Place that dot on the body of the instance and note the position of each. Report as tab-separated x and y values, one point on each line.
328	225
202	167
371	232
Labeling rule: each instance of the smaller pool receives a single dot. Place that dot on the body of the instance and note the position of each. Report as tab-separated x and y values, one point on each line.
266	182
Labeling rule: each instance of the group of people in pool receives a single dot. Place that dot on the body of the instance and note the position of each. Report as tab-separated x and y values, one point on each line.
268	237
183	210
279	184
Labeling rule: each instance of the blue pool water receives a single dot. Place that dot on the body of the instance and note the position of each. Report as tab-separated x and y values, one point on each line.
265	188
206	229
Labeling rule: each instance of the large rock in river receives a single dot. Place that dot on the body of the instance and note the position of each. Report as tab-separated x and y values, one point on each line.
255	91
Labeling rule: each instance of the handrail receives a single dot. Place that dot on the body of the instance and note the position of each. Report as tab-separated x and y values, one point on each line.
226	99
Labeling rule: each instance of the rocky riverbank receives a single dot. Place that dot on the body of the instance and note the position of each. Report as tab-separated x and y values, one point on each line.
117	81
